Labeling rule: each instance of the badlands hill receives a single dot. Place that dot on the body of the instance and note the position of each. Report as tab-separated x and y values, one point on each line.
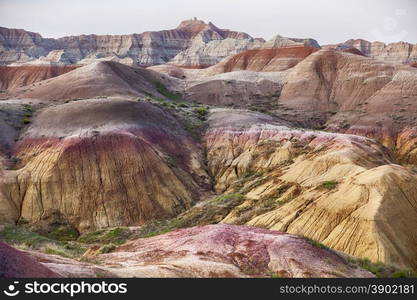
284	137
147	48
17	76
193	43
401	52
97	79
95	148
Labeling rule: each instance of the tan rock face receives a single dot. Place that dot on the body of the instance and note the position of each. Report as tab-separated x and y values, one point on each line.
339	189
105	163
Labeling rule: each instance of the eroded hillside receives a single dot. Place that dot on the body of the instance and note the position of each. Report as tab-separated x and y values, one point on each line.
320	144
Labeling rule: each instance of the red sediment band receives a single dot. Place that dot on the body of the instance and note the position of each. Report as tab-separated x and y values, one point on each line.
117	141
266	55
16	76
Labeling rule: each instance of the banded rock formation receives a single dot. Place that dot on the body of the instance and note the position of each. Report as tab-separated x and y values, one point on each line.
208	43
101	163
342	190
399	53
357	95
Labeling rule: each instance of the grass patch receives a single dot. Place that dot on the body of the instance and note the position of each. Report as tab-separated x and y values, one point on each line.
107	248
22	237
161	88
329	185
117	236
16	235
210	212
27	107
228	198
62	233
381	270
56	252
202	112
317	244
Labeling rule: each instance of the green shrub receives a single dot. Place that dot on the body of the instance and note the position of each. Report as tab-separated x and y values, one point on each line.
316	244
382	270
117	236
236	197
171	161
161	88
26	121
63	233
20	236
107	248
55	252
201	111
27	107
330	185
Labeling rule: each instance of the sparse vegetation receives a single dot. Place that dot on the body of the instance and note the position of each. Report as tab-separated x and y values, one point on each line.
27	107
117	236
24	238
171	161
107	248
210	212
330	185
202	112
381	270
317	244
62	233
161	88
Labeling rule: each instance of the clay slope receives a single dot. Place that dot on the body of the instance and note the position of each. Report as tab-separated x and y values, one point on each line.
209	251
97	79
227	251
252	78
101	163
265	60
16	264
18	76
356	95
342	190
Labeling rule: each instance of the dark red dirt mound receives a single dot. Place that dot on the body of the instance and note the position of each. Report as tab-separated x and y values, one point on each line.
17	76
17	264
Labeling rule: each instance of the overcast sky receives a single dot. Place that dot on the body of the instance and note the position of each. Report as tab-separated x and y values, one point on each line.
328	21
